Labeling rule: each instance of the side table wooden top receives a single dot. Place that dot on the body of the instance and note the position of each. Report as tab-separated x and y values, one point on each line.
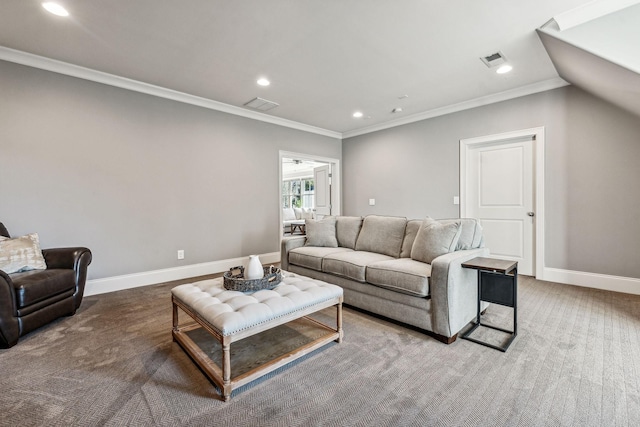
503	266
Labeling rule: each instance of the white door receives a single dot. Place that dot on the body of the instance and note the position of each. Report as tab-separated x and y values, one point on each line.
322	190
498	189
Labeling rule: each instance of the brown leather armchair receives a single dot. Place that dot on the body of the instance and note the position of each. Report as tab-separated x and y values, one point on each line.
34	298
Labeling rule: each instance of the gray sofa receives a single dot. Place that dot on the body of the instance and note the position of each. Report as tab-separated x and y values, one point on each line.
406	270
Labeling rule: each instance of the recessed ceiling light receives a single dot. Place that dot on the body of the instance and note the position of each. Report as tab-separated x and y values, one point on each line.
55	8
358	114
504	69
263	82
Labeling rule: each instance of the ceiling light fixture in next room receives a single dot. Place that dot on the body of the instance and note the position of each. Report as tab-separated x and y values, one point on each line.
358	114
55	8
263	82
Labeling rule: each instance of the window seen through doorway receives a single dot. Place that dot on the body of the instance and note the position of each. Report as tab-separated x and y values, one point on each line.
297	193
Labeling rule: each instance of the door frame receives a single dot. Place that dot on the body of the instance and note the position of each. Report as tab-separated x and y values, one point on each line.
537	134
336	180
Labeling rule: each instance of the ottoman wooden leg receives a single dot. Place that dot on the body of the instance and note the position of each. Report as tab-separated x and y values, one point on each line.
175	319
339	323
226	370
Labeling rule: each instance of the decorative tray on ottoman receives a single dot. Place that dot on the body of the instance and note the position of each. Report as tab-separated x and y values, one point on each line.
234	280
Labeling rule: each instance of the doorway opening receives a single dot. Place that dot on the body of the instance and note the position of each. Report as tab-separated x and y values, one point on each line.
309	188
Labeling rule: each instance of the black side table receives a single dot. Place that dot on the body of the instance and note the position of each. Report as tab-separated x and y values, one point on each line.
498	284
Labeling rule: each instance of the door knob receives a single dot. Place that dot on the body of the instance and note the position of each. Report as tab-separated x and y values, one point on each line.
530	213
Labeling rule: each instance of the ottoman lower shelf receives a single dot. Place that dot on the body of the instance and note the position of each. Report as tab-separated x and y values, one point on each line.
221	375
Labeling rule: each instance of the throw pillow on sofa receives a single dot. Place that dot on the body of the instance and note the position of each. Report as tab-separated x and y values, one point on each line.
21	254
435	239
382	234
321	233
307	213
347	230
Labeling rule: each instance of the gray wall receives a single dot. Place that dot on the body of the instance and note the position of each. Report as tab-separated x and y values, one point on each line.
135	177
591	179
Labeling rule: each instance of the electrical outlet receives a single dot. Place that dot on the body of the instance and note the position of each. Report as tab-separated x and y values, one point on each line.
372	202
181	254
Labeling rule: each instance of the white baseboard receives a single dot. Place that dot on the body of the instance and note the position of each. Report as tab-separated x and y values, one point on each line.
128	281
627	285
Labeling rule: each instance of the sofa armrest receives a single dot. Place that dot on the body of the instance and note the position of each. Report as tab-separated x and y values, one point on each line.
286	245
454	291
9	326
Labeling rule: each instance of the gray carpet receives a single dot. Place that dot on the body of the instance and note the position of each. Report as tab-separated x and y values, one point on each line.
576	361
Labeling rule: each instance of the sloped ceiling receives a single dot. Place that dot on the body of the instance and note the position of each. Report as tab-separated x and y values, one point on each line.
601	55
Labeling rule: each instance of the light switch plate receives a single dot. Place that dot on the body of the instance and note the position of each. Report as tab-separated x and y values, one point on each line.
372	202
456	200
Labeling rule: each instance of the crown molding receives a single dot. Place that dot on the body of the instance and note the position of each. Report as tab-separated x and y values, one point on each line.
466	105
48	64
60	67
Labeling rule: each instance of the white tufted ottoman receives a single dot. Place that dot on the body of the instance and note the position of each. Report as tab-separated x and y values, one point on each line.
231	316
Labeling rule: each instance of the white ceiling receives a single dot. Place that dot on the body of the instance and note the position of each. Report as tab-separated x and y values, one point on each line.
325	59
292	168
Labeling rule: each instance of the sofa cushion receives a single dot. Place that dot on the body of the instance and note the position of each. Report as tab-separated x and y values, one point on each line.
470	235
288	214
321	232
311	256
435	239
352	264
21	254
382	234
409	237
403	275
347	230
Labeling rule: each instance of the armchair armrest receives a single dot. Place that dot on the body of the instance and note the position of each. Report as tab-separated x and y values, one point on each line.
66	257
9	325
286	245
77	259
454	291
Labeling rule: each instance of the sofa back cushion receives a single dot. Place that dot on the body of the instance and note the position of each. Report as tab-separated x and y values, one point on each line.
382	234
321	232
435	239
470	233
409	236
347	230
288	214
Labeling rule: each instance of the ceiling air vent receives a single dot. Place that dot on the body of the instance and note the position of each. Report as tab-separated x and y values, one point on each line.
494	59
261	104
